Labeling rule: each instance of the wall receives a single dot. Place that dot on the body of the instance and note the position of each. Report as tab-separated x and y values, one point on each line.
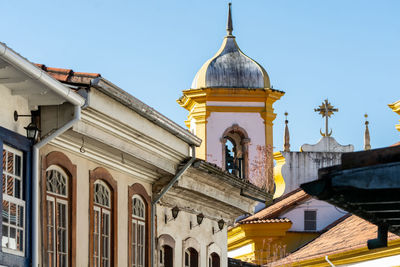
302	167
326	214
218	122
180	230
84	165
10	103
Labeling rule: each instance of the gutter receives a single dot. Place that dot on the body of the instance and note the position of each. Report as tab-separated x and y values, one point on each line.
159	196
144	110
37	74
35	178
328	261
41	76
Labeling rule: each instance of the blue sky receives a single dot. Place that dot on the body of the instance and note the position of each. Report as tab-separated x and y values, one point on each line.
346	51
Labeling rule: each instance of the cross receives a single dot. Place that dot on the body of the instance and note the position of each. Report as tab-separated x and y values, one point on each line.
326	110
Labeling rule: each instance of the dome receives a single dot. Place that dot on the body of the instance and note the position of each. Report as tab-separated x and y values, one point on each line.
231	68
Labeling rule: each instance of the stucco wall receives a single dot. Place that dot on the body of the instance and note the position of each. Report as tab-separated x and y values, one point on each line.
180	230
326	214
302	167
10	103
218	122
84	165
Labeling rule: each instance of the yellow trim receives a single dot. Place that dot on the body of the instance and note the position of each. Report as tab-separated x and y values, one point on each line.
195	101
353	256
278	177
396	108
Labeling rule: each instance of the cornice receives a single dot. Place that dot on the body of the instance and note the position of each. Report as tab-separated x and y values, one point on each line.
106	159
129	135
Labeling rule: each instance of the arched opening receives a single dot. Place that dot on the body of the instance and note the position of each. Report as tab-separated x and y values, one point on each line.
213	260
191	257
166	256
235	151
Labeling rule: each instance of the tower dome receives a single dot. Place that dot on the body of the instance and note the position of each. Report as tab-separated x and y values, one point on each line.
230	67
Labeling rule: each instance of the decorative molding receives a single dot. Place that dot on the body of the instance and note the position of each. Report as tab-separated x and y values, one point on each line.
105	158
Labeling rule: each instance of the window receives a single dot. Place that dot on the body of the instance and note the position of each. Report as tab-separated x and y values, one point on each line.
101	225
138	223
166	256
213	260
310	220
57	222
13	213
138	232
191	258
235	146
103	244
58	210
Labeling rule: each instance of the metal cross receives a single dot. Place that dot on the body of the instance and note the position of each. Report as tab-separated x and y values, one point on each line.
326	110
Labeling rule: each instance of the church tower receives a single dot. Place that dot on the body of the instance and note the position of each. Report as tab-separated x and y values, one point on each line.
230	108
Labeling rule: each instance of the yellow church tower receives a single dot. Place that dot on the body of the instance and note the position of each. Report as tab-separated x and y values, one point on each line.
230	108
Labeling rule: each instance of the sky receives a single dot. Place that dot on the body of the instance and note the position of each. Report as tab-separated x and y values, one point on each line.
345	51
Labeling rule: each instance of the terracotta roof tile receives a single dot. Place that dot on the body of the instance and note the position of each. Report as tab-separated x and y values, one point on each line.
68	75
352	233
279	205
266	221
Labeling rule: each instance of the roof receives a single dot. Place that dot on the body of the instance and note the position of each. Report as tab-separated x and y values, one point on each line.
279	206
88	79
25	79
284	220
68	75
230	67
350	234
366	184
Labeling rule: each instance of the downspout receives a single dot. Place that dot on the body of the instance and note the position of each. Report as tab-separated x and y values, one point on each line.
159	196
328	261
36	178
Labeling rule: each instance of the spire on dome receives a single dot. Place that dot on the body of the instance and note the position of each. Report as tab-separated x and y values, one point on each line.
286	146
229	26
367	139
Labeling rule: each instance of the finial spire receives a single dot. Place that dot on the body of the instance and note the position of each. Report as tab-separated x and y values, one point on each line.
229	26
286	146
367	139
326	110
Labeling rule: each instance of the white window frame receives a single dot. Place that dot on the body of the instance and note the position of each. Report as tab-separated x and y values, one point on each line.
136	221
103	209
55	227
16	201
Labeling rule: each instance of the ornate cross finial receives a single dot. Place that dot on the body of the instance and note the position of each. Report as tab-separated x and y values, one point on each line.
229	26
286	138
326	110
367	139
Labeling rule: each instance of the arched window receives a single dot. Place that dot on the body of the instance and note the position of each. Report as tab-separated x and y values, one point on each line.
235	151
58	198
139	235
57	222
213	260
191	257
138	222
101	224
166	246
166	256
103	241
